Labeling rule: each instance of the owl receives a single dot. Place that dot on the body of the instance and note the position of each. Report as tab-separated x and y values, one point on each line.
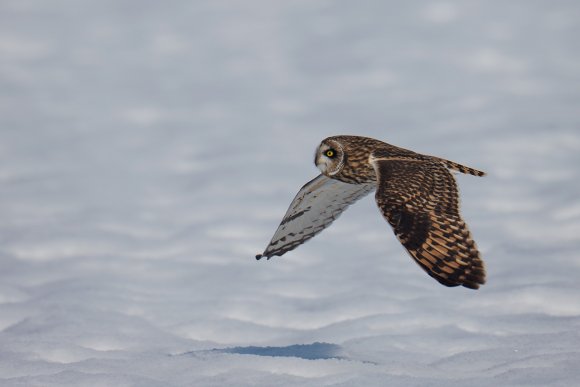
416	194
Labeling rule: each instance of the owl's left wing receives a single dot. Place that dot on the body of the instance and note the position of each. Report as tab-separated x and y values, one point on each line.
317	204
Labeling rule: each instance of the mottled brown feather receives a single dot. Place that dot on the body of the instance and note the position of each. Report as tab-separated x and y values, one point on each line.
419	199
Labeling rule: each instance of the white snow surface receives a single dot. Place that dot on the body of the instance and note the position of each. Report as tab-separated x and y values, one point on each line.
148	151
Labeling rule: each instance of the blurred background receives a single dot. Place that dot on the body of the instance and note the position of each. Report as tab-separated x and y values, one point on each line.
113	102
148	150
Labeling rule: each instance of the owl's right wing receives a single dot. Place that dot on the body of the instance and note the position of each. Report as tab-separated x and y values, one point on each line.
419	199
317	204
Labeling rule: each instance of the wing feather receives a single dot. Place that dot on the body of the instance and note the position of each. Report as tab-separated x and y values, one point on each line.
317	204
419	199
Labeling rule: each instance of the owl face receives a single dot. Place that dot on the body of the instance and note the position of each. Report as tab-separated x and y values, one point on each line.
329	157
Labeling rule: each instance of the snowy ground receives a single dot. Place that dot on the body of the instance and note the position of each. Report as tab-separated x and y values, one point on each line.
148	151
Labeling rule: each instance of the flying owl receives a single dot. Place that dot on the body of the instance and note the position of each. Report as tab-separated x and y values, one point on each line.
416	194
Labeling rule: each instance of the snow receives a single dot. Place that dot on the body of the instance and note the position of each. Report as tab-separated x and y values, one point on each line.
148	150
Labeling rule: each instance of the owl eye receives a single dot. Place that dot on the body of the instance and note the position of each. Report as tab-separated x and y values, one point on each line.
330	153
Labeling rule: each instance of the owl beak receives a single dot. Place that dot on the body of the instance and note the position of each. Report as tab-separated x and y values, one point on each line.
317	158
320	164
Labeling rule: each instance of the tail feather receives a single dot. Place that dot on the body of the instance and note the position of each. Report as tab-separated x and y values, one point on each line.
461	168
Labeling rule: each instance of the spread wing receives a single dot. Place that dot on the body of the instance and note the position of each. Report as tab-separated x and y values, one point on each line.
419	199
314	208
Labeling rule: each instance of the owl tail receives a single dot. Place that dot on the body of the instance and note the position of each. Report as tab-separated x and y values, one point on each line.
461	168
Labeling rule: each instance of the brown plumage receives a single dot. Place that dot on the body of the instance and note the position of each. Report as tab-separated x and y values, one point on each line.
417	195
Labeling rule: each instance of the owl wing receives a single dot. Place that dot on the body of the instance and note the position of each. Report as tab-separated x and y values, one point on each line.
317	204
419	199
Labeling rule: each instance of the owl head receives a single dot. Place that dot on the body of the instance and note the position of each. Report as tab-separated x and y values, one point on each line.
346	158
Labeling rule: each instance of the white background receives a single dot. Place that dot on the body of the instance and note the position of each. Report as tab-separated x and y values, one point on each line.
148	151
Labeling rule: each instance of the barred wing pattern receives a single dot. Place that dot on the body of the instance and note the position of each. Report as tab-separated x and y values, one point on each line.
317	204
419	199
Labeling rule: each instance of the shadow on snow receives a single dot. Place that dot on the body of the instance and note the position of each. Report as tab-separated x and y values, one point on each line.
314	351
